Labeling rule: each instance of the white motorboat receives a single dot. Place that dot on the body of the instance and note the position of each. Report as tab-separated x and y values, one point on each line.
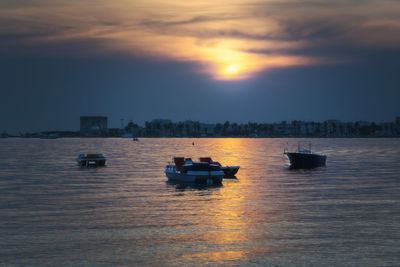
185	170
86	160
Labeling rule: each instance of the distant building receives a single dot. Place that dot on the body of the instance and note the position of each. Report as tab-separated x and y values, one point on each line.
93	126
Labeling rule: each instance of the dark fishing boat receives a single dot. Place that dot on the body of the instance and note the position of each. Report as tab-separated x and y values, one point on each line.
229	171
305	159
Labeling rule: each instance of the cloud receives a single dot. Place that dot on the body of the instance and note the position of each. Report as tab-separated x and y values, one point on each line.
244	35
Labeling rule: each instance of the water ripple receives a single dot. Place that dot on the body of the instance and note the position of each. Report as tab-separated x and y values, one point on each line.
56	213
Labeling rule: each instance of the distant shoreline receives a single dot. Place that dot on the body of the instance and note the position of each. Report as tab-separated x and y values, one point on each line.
97	126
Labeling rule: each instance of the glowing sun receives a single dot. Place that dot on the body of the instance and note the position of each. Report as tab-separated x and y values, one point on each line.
231	69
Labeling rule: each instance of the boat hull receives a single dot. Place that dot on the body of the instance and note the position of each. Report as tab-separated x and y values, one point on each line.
230	171
95	163
91	160
305	161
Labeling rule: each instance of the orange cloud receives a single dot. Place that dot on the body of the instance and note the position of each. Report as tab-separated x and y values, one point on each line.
220	37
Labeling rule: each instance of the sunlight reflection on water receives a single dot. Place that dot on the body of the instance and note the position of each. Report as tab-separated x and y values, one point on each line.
54	212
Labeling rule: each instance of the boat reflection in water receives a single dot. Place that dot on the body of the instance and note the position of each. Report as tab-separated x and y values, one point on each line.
305	159
183	186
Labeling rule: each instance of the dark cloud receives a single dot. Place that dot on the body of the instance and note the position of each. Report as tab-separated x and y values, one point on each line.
156	23
40	93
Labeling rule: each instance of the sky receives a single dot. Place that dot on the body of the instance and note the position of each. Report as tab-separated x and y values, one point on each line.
207	60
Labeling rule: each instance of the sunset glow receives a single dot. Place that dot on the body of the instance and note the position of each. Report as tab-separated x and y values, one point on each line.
227	40
232	69
200	132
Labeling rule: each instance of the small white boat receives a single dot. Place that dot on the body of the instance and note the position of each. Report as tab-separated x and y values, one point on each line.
185	170
86	160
